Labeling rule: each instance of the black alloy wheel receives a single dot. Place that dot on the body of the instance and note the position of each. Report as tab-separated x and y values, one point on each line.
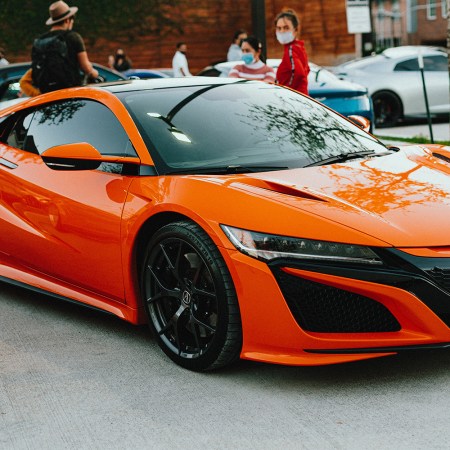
387	108
190	298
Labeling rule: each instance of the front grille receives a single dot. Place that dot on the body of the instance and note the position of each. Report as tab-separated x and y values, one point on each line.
324	309
441	277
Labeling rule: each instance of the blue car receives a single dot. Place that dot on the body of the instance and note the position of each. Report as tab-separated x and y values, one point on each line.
345	97
11	74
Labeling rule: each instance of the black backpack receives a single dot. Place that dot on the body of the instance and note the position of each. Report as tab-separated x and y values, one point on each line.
51	67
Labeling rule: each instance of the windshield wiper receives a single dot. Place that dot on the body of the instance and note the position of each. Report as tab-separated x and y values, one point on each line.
342	157
220	170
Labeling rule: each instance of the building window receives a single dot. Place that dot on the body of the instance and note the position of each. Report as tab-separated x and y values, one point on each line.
444	8
431	9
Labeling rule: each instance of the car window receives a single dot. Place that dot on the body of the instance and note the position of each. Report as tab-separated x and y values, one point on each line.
78	120
18	132
432	63
10	90
108	75
189	127
411	64
436	63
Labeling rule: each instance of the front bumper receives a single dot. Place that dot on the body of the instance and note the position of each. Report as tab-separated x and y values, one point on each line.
305	313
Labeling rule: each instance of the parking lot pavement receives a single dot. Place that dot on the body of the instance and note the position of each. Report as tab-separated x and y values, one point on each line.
73	378
441	131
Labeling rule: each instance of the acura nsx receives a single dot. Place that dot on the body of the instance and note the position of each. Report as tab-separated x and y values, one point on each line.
238	219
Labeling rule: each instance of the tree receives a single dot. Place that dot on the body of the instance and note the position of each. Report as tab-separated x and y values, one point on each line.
110	19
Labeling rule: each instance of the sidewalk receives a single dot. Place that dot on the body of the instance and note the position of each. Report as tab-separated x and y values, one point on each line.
441	131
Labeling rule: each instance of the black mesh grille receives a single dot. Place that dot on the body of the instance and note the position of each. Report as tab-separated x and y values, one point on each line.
441	277
325	309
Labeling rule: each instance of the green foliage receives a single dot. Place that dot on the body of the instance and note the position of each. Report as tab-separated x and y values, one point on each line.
22	21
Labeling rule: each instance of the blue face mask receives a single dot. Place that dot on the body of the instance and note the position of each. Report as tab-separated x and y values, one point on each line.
247	58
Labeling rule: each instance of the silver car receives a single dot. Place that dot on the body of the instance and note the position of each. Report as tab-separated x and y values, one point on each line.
395	84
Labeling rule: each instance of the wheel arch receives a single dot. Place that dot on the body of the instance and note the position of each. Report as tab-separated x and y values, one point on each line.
148	228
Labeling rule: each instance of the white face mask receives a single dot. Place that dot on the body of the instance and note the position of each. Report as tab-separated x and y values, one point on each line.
286	37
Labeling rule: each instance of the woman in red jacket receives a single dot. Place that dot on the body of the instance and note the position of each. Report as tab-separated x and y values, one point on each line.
293	70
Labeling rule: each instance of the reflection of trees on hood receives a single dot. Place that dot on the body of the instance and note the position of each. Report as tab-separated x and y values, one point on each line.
379	190
58	113
307	126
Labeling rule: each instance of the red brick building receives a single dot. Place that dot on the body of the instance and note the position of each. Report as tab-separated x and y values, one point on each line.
209	25
410	22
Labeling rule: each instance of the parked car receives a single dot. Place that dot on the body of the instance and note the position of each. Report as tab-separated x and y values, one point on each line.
11	74
344	97
237	219
395	83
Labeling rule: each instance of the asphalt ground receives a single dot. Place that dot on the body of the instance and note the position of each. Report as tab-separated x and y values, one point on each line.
73	378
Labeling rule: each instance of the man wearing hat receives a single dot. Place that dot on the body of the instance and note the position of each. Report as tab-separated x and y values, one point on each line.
61	21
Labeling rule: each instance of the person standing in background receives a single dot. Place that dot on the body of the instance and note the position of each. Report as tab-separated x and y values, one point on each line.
58	56
253	68
110	61
293	69
235	52
179	62
121	61
3	60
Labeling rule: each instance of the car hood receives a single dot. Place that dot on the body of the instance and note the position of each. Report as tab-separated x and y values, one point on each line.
402	199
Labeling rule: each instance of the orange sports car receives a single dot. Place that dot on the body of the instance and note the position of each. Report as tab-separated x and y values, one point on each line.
237	218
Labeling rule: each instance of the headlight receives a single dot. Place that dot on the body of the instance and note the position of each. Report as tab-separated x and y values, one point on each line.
267	247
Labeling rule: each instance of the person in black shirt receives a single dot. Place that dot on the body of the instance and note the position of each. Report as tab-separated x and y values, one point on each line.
61	21
121	61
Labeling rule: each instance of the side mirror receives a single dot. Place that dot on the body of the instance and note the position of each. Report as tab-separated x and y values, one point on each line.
361	121
80	156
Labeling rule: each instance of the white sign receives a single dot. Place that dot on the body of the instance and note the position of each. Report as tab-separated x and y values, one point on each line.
358	16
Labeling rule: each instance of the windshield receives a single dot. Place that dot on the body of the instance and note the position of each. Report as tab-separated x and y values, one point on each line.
248	124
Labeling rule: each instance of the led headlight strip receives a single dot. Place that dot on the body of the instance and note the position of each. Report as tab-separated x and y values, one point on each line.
267	247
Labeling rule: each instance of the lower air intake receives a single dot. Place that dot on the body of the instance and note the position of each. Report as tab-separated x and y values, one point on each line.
325	309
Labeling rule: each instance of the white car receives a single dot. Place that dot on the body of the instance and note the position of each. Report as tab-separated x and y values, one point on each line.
395	83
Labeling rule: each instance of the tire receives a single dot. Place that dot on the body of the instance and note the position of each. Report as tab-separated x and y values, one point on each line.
387	107
190	298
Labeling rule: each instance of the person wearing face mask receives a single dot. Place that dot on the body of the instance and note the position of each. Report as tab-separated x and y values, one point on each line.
121	61
252	68
293	69
235	52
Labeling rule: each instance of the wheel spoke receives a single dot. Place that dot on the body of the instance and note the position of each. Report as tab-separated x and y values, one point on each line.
194	332
195	289
173	322
202	324
202	292
165	292
173	268
197	275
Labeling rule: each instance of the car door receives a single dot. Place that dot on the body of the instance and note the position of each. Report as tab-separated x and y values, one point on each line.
65	223
436	82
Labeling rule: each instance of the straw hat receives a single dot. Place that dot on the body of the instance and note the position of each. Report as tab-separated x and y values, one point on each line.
60	11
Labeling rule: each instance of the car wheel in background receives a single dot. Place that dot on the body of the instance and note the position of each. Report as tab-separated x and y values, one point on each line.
190	298
387	107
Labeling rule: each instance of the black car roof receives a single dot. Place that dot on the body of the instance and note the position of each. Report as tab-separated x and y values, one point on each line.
160	83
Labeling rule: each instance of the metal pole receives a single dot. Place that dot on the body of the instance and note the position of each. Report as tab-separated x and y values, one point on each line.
259	24
430	126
